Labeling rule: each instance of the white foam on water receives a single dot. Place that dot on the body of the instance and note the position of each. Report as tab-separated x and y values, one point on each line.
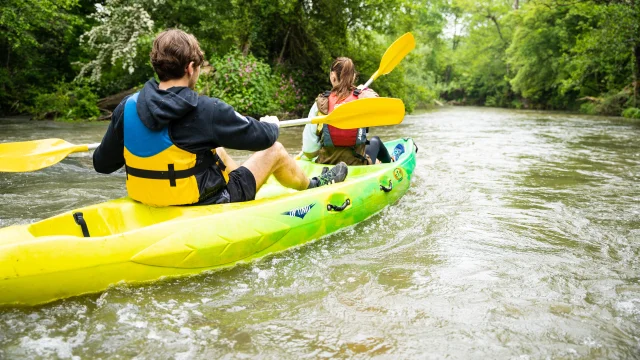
630	307
236	308
53	346
47	346
591	343
129	316
262	275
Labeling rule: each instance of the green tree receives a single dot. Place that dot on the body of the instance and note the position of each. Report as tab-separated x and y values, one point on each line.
541	38
599	63
482	64
38	44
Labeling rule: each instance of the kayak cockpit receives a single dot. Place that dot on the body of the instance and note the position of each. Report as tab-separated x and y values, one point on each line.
114	217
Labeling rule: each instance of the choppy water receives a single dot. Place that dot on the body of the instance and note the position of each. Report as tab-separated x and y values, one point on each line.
520	238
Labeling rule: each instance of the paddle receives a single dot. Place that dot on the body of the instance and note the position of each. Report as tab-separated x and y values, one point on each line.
392	57
377	111
38	154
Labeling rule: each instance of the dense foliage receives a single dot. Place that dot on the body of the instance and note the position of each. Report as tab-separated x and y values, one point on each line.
66	102
57	57
250	85
547	54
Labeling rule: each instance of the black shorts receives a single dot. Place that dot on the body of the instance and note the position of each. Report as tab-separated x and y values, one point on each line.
241	185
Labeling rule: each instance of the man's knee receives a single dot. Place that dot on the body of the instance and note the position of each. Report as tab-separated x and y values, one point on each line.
277	149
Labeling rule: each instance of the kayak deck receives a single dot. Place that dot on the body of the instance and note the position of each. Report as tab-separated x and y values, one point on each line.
131	242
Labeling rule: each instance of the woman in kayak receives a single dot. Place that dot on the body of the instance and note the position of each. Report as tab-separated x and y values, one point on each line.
332	145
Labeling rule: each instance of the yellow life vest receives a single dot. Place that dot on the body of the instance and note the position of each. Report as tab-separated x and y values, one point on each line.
158	172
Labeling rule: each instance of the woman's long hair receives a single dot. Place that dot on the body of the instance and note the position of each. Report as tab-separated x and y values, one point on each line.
346	74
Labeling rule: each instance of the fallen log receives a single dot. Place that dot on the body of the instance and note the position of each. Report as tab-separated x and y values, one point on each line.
110	102
590	98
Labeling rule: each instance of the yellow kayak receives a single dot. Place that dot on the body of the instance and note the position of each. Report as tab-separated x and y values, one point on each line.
88	249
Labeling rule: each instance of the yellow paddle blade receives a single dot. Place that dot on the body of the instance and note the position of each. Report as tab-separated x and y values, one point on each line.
367	112
35	155
394	54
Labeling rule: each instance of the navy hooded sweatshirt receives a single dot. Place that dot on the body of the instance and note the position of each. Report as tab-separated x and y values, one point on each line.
196	124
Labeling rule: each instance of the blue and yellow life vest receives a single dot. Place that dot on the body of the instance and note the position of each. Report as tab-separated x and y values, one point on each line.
158	172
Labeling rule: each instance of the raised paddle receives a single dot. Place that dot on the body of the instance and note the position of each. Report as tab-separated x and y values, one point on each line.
392	57
38	154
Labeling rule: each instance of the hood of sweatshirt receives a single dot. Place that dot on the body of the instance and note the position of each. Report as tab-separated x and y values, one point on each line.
157	108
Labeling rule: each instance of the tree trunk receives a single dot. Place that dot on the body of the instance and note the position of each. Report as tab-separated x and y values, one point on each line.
110	102
7	66
636	75
516	4
284	46
447	74
245	47
495	21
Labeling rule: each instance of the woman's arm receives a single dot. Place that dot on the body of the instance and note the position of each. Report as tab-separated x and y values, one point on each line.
310	139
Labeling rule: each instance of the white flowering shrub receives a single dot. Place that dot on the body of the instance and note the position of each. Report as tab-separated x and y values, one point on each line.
121	26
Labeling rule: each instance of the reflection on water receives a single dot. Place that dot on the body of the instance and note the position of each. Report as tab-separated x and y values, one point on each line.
520	237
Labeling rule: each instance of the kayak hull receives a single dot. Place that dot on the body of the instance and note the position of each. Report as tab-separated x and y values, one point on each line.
133	243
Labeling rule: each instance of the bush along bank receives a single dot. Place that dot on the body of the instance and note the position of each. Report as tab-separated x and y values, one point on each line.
613	104
631	113
251	86
69	102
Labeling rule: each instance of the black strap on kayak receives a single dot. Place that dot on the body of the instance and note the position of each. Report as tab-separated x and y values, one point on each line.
171	174
79	219
387	189
345	204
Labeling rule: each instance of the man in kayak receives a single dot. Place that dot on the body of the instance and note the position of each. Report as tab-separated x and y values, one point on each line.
170	140
330	145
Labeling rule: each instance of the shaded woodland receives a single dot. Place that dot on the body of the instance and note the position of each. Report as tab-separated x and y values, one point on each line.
73	59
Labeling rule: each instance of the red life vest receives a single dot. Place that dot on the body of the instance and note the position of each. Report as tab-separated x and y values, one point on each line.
342	137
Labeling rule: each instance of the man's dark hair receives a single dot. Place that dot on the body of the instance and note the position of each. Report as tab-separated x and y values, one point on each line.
172	52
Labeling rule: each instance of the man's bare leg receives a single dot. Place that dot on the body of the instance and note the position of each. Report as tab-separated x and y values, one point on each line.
275	160
226	159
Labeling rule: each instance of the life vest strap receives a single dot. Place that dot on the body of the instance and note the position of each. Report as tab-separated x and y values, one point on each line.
222	166
360	157
171	174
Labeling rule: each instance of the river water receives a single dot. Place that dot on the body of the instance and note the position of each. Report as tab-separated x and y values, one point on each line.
519	238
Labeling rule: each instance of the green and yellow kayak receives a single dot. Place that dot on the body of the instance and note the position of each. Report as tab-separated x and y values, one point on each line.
134	243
